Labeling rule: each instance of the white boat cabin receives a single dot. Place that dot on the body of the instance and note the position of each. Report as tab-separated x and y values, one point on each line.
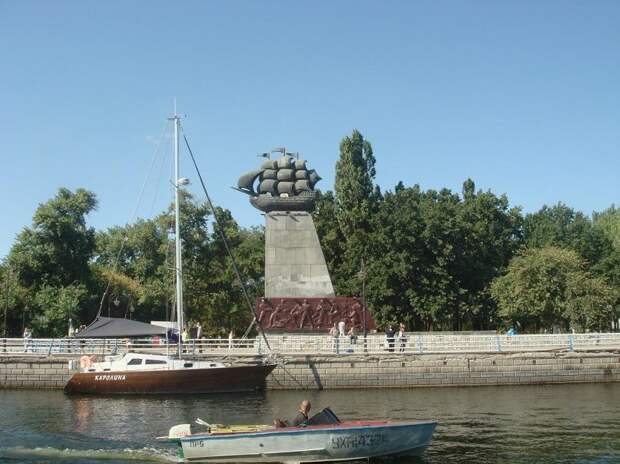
144	362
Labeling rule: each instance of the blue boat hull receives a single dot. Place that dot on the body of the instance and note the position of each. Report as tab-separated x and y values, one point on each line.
342	442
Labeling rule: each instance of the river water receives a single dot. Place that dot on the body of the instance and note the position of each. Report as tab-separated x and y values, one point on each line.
521	424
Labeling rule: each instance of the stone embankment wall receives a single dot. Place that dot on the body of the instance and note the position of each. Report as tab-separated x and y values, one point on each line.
31	372
408	370
377	371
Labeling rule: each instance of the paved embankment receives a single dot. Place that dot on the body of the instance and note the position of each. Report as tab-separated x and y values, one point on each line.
386	370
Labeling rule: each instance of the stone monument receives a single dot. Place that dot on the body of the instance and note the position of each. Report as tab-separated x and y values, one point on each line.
299	294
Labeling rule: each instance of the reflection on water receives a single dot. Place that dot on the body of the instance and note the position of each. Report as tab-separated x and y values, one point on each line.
522	424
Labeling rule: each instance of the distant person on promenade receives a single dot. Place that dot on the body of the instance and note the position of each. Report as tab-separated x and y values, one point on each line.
199	336
352	336
512	331
342	328
389	338
402	338
27	337
335	333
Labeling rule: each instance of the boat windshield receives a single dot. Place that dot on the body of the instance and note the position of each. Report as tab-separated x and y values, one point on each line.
325	417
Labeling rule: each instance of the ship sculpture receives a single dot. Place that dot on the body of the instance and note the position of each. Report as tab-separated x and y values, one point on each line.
282	184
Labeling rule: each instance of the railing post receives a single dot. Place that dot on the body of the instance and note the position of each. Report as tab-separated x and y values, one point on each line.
419	343
499	345
260	352
570	342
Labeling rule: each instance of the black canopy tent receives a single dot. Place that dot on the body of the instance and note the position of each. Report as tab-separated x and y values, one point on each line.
115	327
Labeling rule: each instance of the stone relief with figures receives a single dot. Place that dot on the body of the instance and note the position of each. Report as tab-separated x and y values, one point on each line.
312	314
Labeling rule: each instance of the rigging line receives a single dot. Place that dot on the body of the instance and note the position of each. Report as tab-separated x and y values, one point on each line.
247	331
228	250
133	215
171	243
158	182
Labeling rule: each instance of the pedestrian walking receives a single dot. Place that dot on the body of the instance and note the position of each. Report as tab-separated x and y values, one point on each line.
402	338
231	337
335	334
389	338
27	337
342	328
352	336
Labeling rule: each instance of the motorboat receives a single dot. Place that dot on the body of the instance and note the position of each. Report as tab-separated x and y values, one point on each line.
140	373
324	439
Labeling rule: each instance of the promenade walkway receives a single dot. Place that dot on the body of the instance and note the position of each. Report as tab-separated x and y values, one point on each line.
422	343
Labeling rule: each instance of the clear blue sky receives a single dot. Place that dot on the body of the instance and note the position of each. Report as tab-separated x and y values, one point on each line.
521	96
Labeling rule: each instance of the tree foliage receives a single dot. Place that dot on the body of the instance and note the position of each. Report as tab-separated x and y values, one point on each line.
550	286
51	262
608	222
434	259
562	226
137	262
355	203
435	253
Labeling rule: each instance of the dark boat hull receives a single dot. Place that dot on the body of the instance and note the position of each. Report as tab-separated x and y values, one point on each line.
267	203
211	380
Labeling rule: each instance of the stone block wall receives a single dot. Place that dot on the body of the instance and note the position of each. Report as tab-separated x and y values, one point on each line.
391	371
28	372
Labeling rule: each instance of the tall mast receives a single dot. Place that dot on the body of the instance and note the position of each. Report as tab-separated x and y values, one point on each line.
177	232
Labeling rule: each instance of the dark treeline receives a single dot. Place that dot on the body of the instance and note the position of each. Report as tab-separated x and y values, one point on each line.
436	260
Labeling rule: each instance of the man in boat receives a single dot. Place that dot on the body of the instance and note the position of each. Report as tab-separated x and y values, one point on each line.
302	413
299	419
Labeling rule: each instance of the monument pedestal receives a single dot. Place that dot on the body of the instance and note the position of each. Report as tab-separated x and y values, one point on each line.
294	261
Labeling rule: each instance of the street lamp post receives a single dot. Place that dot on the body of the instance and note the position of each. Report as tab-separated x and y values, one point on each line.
6	304
362	276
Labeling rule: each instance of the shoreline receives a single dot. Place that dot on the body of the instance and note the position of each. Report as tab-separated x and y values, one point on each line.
358	371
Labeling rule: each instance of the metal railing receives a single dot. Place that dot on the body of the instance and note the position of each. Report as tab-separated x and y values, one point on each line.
426	343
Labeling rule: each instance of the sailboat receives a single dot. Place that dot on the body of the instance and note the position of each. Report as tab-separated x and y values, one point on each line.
140	373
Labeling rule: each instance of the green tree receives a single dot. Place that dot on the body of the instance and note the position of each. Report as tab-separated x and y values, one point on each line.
608	222
355	200
58	247
434	255
408	279
490	235
56	305
51	262
550	286
328	230
138	263
11	294
562	226
134	268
